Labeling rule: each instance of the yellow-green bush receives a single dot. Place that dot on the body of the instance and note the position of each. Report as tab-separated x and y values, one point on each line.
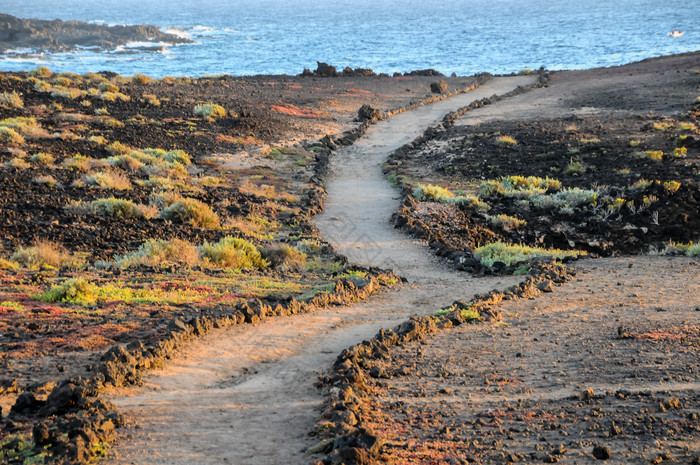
159	252
511	253
209	110
193	212
76	290
232	252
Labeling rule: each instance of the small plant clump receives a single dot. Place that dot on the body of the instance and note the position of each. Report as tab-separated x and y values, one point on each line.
160	252
10	136
43	158
114	207
209	110
510	254
44	254
193	212
506	141
508	222
108	180
49	181
11	100
140	79
76	290
232	252
17	163
655	155
432	193
672	186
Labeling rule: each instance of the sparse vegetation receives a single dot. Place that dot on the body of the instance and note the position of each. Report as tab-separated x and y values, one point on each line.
209	110
42	158
506	141
10	136
45	253
160	252
510	254
193	212
76	291
11	100
114	207
108	180
232	252
507	222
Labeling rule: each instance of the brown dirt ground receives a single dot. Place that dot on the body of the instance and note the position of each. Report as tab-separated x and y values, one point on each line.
515	390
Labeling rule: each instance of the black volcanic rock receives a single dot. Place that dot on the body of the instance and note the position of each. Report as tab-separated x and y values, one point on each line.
62	36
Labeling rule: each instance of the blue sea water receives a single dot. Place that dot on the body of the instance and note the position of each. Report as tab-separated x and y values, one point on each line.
245	37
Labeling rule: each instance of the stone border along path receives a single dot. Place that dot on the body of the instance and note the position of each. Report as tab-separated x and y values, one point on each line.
245	394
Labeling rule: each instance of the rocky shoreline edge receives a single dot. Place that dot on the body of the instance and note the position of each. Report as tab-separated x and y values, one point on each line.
24	35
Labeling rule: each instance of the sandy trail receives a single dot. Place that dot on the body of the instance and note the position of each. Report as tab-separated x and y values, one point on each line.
245	395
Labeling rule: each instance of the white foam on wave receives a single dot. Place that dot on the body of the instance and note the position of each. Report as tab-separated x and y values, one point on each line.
178	32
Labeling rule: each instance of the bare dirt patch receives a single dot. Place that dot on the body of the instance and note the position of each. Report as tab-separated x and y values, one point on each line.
607	364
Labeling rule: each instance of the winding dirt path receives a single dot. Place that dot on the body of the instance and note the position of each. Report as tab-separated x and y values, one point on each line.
245	395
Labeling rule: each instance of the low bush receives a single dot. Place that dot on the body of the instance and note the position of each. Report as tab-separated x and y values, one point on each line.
140	79
45	253
285	257
10	136
506	141
17	163
507	222
76	290
45	181
432	193
193	212
108	180
11	100
43	158
232	252
159	252
511	253
209	110
120	208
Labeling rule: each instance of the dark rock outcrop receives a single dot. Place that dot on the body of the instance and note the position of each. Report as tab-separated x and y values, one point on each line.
63	36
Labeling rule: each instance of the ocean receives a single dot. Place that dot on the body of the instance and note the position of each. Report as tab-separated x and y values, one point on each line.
246	37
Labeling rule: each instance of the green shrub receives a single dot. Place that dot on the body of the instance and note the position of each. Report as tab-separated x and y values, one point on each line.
10	136
45	253
508	222
432	193
285	257
108	180
141	79
655	155
17	163
511	254
43	158
75	290
209	110
232	252
45	181
112	206
159	252
506	141
193	212
672	186
41	71
175	156
11	100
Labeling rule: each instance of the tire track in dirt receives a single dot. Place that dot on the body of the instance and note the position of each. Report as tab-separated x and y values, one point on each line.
245	394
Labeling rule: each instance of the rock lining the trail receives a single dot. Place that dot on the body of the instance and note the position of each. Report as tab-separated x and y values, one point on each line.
74	407
344	437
